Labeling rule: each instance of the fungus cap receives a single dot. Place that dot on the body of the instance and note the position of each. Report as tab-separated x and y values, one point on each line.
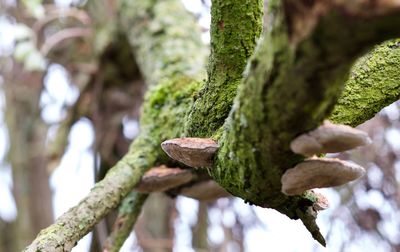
329	138
205	191
194	152
319	173
162	178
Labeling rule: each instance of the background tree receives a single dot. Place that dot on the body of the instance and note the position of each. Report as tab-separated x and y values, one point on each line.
114	50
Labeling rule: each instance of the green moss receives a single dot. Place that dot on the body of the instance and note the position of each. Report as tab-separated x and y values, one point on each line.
164	112
374	83
292	89
165	45
235	28
289	90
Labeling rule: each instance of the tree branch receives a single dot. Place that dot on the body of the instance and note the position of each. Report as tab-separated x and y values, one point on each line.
127	216
294	82
163	45
235	28
175	89
376	77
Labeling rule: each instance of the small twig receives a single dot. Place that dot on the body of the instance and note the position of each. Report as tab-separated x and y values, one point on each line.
128	213
57	146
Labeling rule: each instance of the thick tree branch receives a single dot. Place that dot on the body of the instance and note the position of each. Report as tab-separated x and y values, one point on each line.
159	121
235	29
165	39
374	83
293	85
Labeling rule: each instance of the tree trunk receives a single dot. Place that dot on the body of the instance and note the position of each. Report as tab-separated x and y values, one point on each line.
27	142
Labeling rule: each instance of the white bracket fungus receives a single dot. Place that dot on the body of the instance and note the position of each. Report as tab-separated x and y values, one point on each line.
329	138
162	178
319	173
205	191
194	152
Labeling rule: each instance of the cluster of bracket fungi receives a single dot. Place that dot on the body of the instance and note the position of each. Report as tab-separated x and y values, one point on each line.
193	152
313	172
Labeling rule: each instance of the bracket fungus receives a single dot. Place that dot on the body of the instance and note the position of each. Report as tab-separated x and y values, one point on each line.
191	151
329	138
162	178
205	191
319	173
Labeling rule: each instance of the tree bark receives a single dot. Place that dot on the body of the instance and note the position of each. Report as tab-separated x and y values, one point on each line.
177	80
31	188
127	216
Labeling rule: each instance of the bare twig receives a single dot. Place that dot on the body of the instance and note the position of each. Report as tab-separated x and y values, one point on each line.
127	215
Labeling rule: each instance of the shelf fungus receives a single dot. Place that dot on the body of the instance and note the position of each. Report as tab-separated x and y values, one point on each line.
319	173
194	152
205	191
162	178
329	138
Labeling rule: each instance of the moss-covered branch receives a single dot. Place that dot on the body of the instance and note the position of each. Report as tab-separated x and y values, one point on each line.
106	195
165	39
163	116
235	29
293	85
374	83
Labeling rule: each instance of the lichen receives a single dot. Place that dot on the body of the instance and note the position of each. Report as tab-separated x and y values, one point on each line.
165	45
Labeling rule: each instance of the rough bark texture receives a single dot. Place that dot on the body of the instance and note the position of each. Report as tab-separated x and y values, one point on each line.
165	45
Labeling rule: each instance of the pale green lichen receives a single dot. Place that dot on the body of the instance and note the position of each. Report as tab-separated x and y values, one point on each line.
165	38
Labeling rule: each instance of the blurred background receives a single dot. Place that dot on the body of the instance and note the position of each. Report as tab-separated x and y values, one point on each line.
70	95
